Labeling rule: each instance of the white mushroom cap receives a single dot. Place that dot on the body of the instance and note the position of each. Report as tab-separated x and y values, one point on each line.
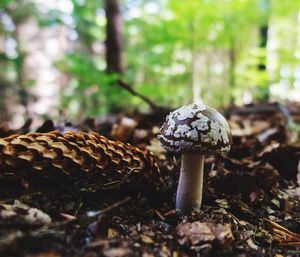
195	128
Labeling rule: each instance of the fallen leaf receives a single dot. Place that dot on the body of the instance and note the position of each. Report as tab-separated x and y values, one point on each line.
112	232
146	239
68	216
251	244
117	252
24	213
197	233
123	131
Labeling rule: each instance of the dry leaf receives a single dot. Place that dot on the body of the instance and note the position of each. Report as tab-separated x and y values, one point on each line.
251	244
117	252
112	232
24	213
197	233
124	129
298	175
146	239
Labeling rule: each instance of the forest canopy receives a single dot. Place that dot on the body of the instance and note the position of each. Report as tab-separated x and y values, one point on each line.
53	55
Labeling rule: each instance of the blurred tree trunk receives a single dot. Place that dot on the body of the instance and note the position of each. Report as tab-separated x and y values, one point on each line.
21	77
19	64
196	74
5	101
114	47
114	37
263	34
232	67
263	93
262	89
196	61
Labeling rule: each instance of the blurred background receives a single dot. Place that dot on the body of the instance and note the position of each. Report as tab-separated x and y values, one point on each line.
92	58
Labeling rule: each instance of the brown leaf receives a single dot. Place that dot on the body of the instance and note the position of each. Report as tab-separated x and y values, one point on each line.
117	252
197	233
147	239
112	232
68	216
24	213
124	130
298	174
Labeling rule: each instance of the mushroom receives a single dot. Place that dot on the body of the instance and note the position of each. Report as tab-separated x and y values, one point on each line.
194	131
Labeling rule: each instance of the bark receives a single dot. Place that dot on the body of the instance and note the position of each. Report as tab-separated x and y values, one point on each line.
114	47
19	66
263	33
196	62
6	101
196	82
232	66
114	40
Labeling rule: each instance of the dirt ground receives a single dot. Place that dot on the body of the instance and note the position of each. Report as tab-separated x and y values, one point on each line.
250	204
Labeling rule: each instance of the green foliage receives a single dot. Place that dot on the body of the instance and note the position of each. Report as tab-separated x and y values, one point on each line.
91	91
161	40
4	3
168	39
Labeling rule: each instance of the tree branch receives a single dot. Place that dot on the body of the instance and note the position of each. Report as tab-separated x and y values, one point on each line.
127	87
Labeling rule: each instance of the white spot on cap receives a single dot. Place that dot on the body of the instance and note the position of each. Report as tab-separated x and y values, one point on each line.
188	111
171	126
184	113
181	131
201	123
193	135
195	128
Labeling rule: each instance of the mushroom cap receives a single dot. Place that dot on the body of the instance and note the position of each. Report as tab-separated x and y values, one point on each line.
195	129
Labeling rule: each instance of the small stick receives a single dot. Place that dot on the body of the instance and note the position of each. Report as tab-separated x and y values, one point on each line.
127	87
275	225
284	235
290	244
159	215
109	208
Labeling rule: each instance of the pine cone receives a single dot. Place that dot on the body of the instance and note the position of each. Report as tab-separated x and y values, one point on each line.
74	154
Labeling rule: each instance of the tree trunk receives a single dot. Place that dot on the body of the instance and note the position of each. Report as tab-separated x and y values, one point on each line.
114	47
114	40
19	65
232	66
263	34
196	74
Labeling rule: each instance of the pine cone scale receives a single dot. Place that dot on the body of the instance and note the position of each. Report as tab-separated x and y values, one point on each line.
75	154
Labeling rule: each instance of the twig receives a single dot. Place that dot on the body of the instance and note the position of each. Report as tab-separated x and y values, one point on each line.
109	208
124	85
282	235
159	215
290	244
289	119
292	128
277	226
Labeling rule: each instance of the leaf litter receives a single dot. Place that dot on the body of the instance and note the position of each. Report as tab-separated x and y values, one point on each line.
250	206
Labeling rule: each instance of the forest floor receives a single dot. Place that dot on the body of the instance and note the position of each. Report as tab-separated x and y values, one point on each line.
250	206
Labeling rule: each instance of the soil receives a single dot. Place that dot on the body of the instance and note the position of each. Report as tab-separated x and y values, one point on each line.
250	204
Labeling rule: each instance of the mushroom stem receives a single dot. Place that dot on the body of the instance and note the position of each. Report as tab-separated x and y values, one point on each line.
189	192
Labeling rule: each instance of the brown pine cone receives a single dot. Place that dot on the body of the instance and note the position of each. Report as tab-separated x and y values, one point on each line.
74	155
